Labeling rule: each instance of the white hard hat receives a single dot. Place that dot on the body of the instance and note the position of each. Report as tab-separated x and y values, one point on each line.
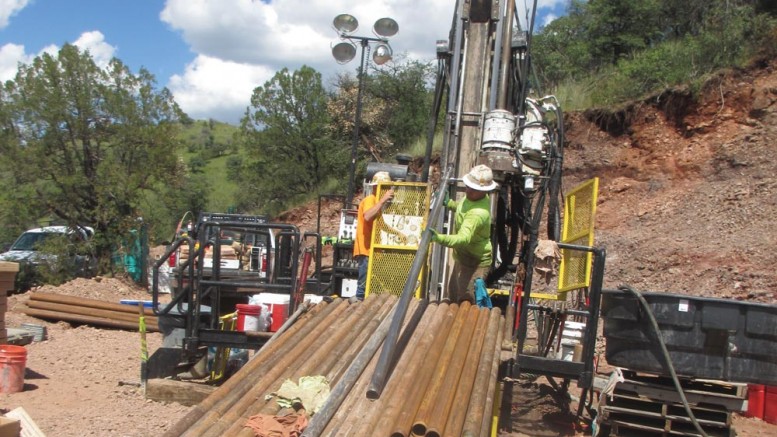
381	176
480	178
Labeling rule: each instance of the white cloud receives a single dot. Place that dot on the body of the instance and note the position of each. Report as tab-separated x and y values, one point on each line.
212	88
271	35
8	8
94	42
235	37
10	57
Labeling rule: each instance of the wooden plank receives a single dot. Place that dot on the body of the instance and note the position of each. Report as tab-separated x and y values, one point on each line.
635	428
707	386
29	428
185	393
731	402
707	416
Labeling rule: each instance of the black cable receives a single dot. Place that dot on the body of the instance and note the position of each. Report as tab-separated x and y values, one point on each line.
665	352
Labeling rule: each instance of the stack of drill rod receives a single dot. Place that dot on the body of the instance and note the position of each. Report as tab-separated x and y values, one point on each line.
443	383
94	312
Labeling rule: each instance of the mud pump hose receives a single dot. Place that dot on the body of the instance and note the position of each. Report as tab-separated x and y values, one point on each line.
665	353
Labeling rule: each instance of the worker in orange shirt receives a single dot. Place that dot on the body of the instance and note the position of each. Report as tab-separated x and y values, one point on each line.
369	209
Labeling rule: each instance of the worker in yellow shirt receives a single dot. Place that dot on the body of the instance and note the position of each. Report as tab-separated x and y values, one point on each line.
471	243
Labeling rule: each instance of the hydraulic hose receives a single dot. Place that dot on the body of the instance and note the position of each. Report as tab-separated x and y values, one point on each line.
665	353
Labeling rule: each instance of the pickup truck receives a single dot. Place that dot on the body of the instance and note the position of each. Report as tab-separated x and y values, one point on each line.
246	248
36	263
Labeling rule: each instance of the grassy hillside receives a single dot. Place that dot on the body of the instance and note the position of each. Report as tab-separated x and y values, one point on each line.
207	149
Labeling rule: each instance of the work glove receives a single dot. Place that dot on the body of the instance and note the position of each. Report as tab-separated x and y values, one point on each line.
447	198
435	236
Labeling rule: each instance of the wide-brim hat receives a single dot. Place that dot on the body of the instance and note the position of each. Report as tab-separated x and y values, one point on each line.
480	178
381	177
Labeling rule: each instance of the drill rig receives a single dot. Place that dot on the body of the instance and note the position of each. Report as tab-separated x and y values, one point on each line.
493	116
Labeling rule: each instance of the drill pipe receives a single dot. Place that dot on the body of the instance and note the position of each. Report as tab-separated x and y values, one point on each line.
507	343
354	331
271	368
305	357
442	405
458	412
339	368
401	384
361	408
351	401
405	419
235	384
351	376
492	383
427	404
401	374
477	399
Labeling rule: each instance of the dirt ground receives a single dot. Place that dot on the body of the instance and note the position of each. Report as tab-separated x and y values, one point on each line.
687	200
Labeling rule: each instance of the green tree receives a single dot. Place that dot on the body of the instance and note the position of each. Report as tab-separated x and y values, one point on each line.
395	107
287	129
84	144
618	28
561	49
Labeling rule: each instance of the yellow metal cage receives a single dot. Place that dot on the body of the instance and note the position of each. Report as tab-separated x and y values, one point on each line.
395	237
579	212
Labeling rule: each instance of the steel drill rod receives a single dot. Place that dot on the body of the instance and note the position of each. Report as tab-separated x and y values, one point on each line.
401	385
387	353
339	336
310	362
83	302
396	386
274	366
405	420
427	404
238	385
64	309
231	423
341	389
286	325
77	318
489	407
458	412
353	333
230	386
507	343
364	410
477	397
345	360
441	407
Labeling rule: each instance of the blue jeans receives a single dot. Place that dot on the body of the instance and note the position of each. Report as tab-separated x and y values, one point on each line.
361	284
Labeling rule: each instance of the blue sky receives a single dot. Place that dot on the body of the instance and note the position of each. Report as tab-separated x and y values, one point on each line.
212	53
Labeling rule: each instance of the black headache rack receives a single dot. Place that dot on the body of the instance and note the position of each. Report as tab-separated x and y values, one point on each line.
582	371
202	295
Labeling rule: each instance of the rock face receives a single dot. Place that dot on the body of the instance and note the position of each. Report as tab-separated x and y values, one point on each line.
688	192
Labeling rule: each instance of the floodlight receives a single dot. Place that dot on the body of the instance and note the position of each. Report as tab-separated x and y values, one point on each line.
345	23
382	54
343	52
386	27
